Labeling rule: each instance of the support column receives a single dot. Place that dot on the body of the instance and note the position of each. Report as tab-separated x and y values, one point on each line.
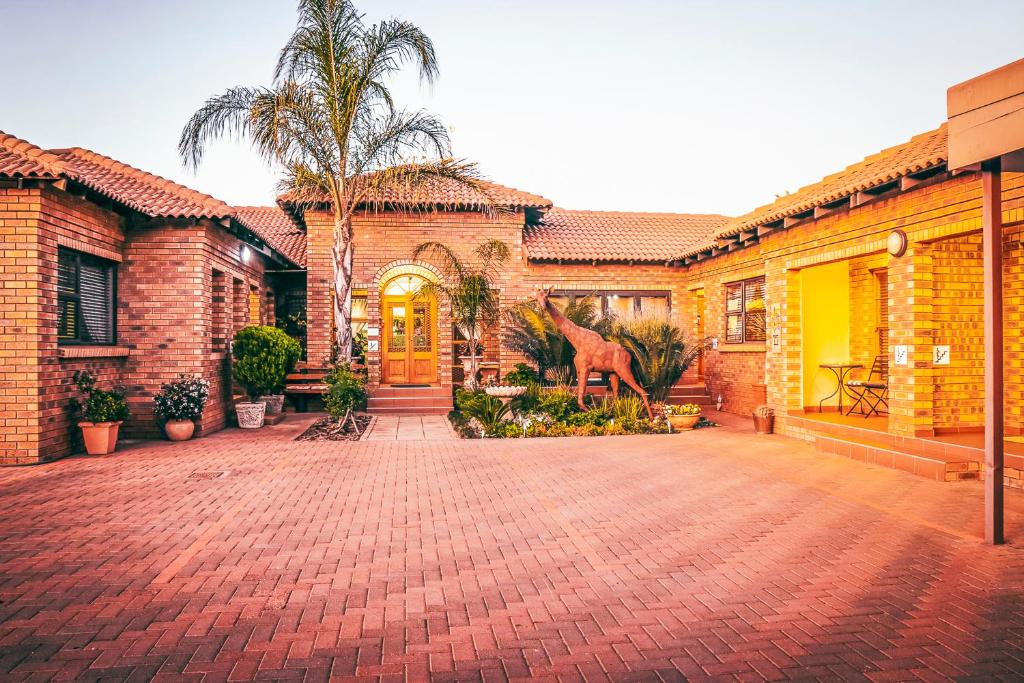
992	229
911	328
784	364
319	287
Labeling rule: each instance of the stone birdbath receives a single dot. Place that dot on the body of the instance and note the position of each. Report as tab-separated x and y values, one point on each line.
504	393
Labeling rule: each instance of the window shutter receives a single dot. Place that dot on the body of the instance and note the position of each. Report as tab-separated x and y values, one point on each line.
754	306
95	296
67	275
734	312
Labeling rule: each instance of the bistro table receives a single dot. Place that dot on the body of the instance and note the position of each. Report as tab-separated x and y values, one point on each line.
840	370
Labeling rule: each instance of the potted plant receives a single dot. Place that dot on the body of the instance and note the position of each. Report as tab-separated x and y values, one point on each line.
764	419
102	414
179	403
262	357
683	417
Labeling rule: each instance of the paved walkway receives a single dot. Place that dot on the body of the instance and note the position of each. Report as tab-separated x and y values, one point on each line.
709	554
410	428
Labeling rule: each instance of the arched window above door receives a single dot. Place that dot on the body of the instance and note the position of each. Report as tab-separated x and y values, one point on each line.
404	285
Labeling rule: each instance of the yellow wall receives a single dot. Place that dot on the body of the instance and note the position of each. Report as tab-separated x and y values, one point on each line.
825	308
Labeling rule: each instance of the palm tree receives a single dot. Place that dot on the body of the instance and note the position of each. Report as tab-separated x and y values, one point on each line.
330	123
660	352
529	330
469	290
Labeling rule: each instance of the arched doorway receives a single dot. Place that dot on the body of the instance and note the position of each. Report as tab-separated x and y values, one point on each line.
409	344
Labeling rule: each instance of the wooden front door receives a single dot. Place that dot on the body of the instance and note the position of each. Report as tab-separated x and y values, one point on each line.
409	352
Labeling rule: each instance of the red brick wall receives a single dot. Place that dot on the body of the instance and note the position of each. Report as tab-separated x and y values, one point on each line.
165	316
384	243
922	397
19	323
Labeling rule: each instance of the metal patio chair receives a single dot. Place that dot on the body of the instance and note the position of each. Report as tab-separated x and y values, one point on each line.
872	392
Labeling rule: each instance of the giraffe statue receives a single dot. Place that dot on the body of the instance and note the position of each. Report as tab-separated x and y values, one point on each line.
593	353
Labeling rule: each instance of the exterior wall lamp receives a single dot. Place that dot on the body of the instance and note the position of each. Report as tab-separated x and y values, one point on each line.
896	245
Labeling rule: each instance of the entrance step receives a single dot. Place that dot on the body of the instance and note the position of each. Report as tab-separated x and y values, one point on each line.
410	400
690	393
924	457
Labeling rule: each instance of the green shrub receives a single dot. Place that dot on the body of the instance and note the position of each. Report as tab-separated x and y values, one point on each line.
98	405
528	400
183	398
660	354
595	417
467	401
490	411
345	391
624	407
522	376
558	403
508	430
263	357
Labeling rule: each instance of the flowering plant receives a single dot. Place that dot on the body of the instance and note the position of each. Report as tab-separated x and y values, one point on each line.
183	398
685	409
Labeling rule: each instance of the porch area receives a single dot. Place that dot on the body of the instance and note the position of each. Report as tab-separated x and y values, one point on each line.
946	457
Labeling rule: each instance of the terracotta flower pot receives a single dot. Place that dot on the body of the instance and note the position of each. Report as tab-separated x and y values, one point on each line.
100	437
683	422
250	415
179	430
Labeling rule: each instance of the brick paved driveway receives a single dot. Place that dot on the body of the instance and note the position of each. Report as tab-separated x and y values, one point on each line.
714	553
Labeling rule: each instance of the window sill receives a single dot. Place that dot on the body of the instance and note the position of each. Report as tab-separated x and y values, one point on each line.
743	348
93	351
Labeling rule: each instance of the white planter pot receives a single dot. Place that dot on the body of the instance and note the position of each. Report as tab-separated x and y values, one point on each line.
275	403
250	415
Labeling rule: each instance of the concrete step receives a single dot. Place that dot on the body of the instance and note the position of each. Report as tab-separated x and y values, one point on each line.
410	402
935	465
391	400
688	390
411	392
409	411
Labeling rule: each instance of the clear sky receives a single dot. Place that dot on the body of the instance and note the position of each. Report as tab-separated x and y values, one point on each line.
712	106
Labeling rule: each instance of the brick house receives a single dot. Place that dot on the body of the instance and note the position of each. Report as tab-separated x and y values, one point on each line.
113	270
108	268
782	292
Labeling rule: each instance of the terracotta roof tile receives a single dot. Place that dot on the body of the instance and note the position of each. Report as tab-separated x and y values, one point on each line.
920	153
19	158
277	228
146	193
617	236
448	194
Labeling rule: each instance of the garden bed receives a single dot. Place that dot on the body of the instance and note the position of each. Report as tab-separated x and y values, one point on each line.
552	412
329	429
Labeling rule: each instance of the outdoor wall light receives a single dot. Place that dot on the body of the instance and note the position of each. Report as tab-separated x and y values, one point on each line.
896	245
245	253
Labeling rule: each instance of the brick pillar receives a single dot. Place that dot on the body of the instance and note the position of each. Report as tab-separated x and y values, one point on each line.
911	325
319	286
1013	329
21	328
785	363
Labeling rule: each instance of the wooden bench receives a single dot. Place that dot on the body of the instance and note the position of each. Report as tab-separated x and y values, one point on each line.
299	386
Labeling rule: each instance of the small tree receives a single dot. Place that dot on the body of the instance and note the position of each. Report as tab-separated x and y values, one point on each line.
263	357
660	353
469	290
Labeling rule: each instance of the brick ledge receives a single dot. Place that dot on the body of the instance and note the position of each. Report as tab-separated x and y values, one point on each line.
93	351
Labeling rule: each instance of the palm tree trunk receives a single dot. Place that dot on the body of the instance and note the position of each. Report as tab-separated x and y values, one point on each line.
342	252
